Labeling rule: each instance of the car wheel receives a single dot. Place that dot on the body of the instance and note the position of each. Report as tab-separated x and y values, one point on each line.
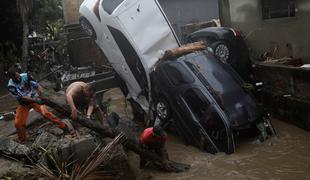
162	110
221	51
87	27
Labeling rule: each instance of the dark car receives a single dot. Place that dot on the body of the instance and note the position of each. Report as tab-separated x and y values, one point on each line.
228	45
205	100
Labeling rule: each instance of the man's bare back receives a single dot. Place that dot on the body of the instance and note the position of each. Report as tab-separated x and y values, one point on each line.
80	94
76	91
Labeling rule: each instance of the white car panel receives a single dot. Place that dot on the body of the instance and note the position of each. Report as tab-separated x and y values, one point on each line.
144	27
149	31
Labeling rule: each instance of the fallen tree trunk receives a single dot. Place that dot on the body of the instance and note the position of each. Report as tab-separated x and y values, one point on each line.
105	131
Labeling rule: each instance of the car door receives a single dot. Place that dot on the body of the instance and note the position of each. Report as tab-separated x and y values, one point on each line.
206	121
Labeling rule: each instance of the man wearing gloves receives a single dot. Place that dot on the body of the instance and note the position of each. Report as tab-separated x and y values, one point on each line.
27	92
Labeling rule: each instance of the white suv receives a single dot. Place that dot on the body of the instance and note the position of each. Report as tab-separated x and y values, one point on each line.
133	34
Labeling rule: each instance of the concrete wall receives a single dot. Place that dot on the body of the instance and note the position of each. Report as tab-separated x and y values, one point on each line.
71	11
289	35
182	12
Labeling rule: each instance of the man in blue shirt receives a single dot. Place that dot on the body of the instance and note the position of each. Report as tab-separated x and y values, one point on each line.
27	92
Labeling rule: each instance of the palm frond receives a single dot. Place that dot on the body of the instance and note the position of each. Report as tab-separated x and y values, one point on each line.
101	155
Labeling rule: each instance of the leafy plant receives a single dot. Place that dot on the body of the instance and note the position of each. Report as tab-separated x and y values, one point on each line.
57	166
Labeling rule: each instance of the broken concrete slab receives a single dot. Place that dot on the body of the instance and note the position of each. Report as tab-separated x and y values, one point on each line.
77	149
11	148
56	131
13	168
45	140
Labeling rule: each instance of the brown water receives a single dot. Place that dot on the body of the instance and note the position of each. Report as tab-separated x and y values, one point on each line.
286	157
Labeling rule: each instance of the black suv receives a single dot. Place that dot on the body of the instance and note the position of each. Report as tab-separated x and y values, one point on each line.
228	46
205	100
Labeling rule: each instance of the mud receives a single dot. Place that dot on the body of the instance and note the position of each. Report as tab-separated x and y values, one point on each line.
286	157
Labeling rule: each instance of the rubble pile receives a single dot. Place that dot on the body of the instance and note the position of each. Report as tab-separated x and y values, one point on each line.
269	57
45	138
289	61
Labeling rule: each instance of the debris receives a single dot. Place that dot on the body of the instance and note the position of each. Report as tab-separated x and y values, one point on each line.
69	124
105	131
113	119
305	66
45	140
13	149
78	149
129	128
268	57
98	156
56	131
7	116
190	28
188	48
14	169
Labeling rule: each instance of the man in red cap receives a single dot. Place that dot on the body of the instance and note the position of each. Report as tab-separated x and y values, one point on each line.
154	139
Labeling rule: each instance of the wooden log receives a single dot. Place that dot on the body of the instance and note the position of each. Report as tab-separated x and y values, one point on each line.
185	49
180	51
105	131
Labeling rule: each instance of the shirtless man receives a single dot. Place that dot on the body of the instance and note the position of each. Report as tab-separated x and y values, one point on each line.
80	97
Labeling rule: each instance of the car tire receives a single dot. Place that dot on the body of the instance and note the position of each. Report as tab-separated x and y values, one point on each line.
88	28
162	110
222	51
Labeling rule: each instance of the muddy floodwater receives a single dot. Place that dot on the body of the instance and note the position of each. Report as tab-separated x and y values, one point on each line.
286	157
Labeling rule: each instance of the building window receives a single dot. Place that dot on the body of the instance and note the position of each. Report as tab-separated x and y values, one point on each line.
278	8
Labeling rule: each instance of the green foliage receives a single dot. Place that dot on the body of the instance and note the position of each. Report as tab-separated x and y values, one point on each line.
48	18
57	166
45	17
48	22
8	53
